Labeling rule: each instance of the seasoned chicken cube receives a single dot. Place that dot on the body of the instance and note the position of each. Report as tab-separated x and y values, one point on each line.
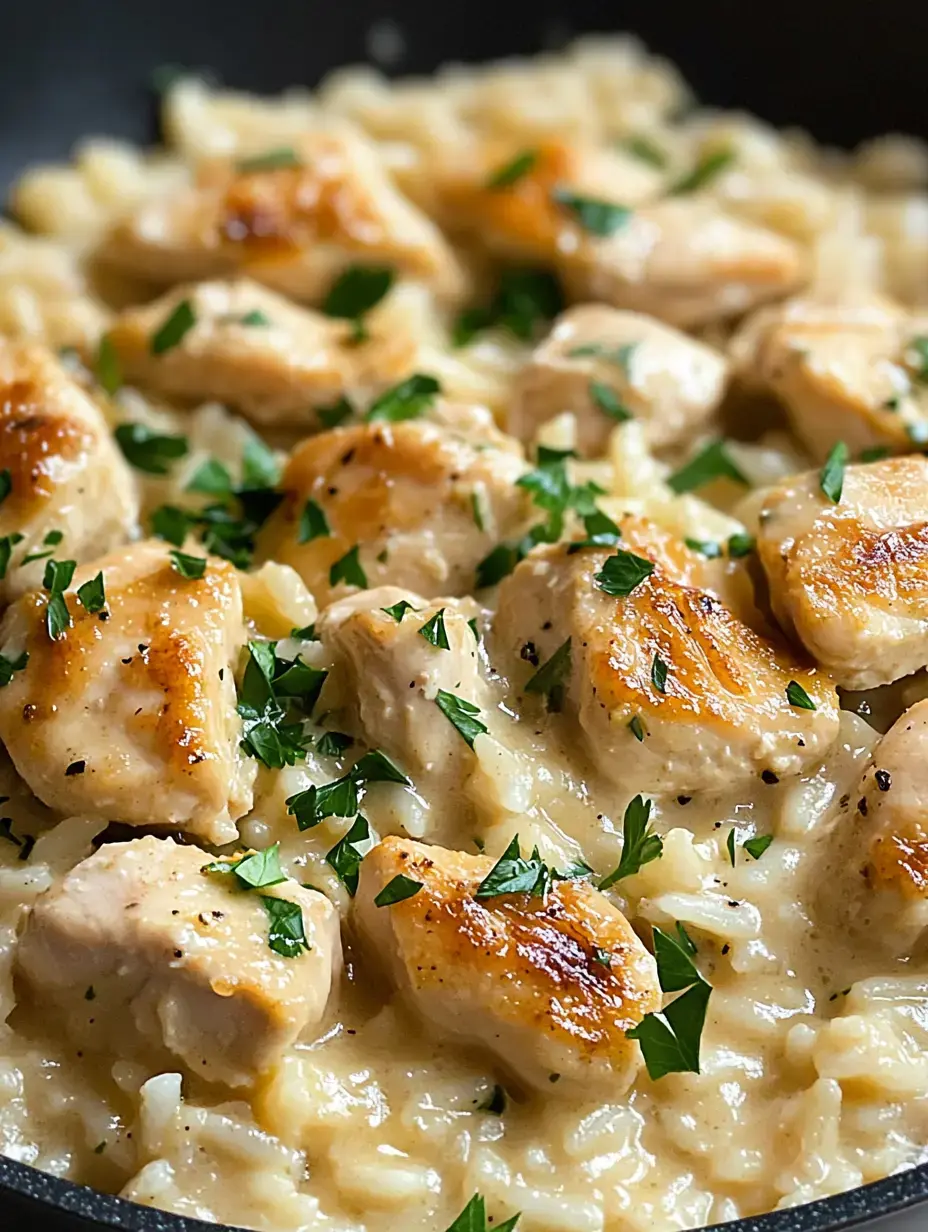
847	372
254	350
848	579
139	947
67	478
597	219
549	984
674	690
293	220
416	504
603	365
391	673
129	713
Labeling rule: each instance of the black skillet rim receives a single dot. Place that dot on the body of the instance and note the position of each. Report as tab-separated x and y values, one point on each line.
846	1210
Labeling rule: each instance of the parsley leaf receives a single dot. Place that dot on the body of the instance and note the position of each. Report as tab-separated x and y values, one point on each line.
798	697
730	846
271	160
646	150
524	299
9	666
107	367
639	844
333	743
513	171
496	565
313	523
57	579
512	874
740	545
348	569
659	673
286	935
211	478
755	847
255	871
147	450
6	483
670	1040
705	547
408	400
92	595
376	767
189	567
603	397
621	356
174	328
621	573
473	1218
831	476
356	291
7	543
254	318
172	524
398	610
600	218
345	858
461	714
919	346
636	727
337	413
709	168
397	891
434	631
712	462
549	679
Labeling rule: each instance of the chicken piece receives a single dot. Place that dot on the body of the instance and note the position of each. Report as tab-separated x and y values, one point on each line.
670	382
130	714
408	495
523	976
66	473
722	715
294	223
683	260
391	674
848	579
138	947
847	372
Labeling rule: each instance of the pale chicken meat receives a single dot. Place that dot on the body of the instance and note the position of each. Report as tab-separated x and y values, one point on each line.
129	713
604	365
852	372
254	350
599	220
293	220
390	674
548	984
848	579
67	478
417	504
674	688
139	948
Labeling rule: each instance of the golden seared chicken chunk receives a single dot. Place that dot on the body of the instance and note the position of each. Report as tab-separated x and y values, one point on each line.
254	350
414	504
394	652
604	366
547	983
851	372
674	690
294	220
128	713
599	222
69	488
139	947
850	580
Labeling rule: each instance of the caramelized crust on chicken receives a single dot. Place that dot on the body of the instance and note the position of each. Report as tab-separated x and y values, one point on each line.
722	714
849	578
843	371
407	495
523	976
254	350
66	474
138	947
293	226
129	715
656	374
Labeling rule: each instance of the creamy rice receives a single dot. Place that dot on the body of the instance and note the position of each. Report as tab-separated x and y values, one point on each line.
815	1051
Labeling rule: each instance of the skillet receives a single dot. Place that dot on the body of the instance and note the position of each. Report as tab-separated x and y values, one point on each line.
70	68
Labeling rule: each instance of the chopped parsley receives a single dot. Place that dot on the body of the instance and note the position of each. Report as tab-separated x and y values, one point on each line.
604	397
670	1039
636	727
7	543
51	541
512	874
513	171
336	414
645	150
8	666
621	573
876	453
477	511
174	328
313	523
659	673
709	168
286	935
348	569
755	847
434	631
408	400
57	579
107	367
211	478
333	743
919	347
730	845
831	476
473	1218
496	565
271	160
6	483
276	694
550	677
92	594
600	218
397	891
740	545
398	610
798	697
621	356
712	462
147	450
252	872
639	844
355	292
524	299
705	547
190	567
340	798
254	318
345	858
462	715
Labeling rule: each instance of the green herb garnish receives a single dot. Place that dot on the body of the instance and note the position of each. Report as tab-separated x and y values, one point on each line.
271	160
345	858
706	170
603	397
57	579
831	476
348	569
659	673
712	462
670	1039
798	697
550	677
513	171
755	847
92	595
461	714
434	631
355	292
408	400
398	610
622	573
600	218
9	666
174	328
147	450
639	844
397	891
189	567
313	523
107	367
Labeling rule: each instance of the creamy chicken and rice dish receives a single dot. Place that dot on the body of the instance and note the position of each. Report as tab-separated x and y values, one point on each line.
464	567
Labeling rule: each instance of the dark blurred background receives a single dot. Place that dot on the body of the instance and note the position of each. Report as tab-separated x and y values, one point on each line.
69	67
